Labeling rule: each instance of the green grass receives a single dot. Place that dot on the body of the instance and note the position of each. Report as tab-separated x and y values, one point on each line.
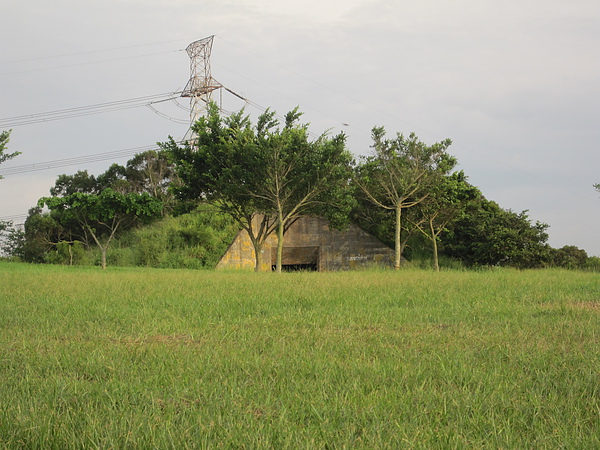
144	358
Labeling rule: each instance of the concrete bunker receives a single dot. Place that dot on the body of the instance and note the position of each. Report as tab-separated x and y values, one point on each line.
310	245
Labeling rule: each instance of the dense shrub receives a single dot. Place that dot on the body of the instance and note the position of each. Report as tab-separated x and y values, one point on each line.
195	240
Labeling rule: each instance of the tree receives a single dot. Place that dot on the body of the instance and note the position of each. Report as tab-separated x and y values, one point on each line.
103	215
435	212
569	257
6	243
152	172
4	139
212	168
264	176
81	181
114	178
40	233
400	174
485	234
301	176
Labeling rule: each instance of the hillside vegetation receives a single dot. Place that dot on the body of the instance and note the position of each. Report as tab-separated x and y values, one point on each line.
262	177
146	358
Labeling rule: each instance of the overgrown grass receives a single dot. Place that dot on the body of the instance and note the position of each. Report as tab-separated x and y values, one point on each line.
178	359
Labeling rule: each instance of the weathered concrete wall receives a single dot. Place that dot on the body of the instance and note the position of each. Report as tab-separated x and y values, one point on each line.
310	241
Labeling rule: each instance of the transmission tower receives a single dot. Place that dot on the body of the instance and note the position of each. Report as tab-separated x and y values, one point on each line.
201	83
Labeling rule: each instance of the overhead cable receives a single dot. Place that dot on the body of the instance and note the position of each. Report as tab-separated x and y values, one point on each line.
87	52
10	122
128	58
76	160
12	219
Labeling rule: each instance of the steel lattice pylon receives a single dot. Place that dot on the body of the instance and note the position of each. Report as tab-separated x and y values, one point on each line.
201	83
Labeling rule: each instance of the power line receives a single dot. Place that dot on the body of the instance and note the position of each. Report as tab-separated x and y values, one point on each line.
26	168
97	108
88	52
16	217
93	109
88	63
164	116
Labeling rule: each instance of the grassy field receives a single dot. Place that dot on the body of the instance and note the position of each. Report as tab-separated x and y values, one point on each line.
142	358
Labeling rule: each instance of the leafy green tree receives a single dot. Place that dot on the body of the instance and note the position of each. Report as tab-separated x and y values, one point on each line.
103	215
400	174
114	178
149	172
264	176
212	168
4	139
81	181
485	234
41	232
377	221
34	241
436	211
7	241
592	263
569	257
153	172
301	176
145	173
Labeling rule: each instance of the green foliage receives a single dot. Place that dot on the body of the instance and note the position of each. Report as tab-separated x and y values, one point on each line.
148	172
400	174
81	181
4	139
103	215
569	257
446	198
66	253
485	234
107	206
195	240
41	230
10	240
265	170
592	264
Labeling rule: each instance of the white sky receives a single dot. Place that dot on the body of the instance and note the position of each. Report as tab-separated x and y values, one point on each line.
514	84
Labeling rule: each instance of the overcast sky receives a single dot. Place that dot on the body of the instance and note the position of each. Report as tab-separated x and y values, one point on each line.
514	84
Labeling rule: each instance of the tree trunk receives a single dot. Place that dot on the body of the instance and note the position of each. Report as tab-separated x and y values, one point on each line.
280	229
436	261
104	249
257	254
398	243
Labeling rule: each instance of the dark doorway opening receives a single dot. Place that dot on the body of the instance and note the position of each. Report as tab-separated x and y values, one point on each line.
295	259
298	268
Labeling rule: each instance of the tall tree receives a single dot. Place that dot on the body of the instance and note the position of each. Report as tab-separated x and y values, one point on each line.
4	139
302	176
103	215
400	174
434	213
265	176
219	166
153	172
